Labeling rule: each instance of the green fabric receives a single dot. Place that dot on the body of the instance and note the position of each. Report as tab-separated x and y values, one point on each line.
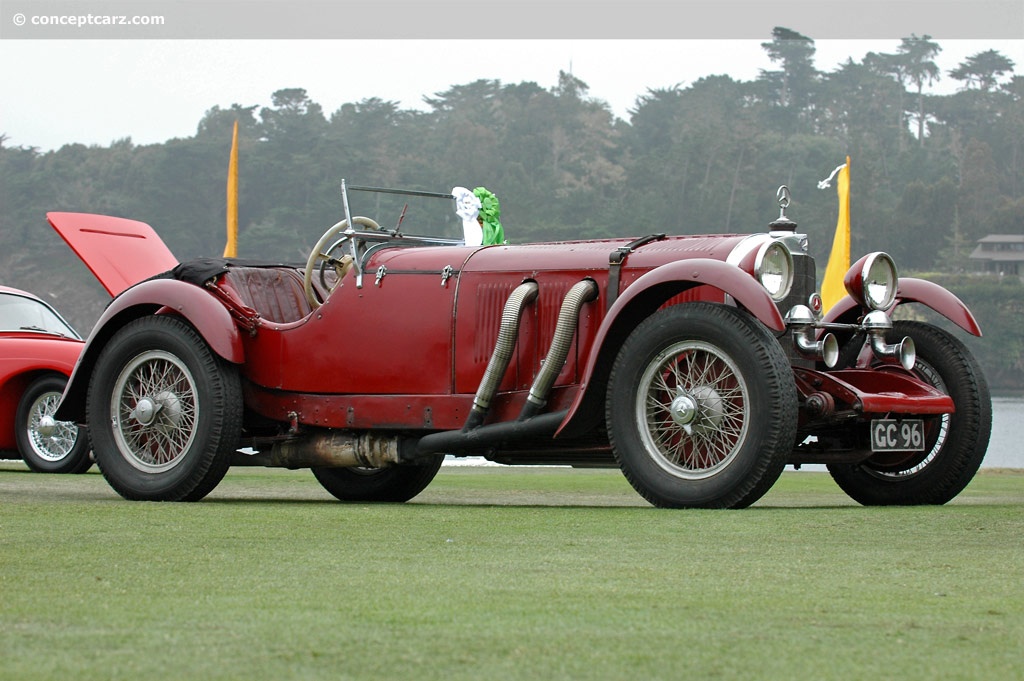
490	211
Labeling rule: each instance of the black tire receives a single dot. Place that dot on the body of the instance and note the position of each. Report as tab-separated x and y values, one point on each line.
741	394
164	412
395	484
956	442
57	447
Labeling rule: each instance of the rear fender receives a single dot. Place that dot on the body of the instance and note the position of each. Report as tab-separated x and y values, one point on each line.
158	296
915	291
642	299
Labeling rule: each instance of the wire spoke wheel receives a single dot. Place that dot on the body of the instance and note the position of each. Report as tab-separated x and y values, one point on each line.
701	408
45	444
154	403
896	466
693	401
955	443
62	435
164	411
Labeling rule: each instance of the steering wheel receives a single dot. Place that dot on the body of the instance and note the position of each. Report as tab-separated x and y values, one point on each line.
323	256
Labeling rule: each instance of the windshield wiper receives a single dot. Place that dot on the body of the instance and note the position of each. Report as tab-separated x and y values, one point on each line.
40	329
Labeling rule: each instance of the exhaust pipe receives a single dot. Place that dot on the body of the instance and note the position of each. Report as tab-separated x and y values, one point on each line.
568	318
510	317
491	436
327	449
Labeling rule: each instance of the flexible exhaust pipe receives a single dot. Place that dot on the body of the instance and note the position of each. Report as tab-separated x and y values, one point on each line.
568	319
524	294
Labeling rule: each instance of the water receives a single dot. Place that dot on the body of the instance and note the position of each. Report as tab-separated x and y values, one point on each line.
1006	448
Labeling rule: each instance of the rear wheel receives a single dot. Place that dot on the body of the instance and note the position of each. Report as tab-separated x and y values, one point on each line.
46	445
164	412
393	484
701	408
956	443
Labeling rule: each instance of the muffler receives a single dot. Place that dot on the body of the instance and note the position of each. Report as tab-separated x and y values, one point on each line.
327	449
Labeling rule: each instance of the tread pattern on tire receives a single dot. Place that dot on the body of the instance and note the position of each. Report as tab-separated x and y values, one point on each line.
204	472
954	467
776	444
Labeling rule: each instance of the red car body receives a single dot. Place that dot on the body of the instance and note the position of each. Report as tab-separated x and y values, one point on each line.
700	365
38	351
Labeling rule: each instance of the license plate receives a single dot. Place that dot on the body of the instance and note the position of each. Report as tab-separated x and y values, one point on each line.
893	435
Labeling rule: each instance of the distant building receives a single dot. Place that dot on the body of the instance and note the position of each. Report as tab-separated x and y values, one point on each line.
1000	254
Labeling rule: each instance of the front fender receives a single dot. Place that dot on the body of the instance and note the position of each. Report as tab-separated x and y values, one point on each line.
939	299
157	296
644	296
916	291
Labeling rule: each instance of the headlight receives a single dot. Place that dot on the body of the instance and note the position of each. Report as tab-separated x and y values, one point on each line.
872	281
773	267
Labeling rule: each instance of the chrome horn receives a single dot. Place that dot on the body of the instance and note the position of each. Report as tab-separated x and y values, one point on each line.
876	324
826	349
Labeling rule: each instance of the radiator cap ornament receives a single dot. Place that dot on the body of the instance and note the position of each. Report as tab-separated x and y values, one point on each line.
783	223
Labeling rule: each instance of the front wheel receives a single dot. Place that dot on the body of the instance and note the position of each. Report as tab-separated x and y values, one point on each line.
164	412
956	443
394	484
701	408
46	445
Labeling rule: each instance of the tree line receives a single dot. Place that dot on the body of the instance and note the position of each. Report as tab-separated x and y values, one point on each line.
930	174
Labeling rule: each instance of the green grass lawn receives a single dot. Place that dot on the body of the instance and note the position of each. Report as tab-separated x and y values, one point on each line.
506	573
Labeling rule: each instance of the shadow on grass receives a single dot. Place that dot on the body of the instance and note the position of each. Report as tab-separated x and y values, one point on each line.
484	488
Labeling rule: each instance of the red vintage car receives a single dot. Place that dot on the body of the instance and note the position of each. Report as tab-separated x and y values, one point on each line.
699	365
38	351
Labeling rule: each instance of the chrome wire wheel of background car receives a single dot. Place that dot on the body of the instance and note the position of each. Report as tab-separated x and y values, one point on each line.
164	412
330	251
955	443
47	445
701	408
394	484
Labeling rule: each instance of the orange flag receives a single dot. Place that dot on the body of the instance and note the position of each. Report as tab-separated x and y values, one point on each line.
832	289
231	248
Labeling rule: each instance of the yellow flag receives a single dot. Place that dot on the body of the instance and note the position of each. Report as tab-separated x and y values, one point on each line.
832	289
231	248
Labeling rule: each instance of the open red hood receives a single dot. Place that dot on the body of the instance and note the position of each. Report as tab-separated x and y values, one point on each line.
120	252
